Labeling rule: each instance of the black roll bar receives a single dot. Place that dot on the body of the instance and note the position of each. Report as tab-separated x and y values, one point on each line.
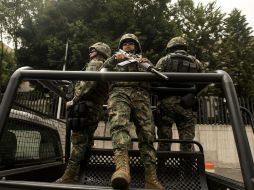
221	77
158	140
250	116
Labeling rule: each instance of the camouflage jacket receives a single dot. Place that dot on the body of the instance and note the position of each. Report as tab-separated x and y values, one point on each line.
91	90
112	65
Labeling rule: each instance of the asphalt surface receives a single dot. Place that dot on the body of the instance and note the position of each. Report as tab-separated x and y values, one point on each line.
234	173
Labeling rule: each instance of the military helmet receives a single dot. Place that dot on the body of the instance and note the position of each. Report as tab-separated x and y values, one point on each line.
102	48
177	41
130	37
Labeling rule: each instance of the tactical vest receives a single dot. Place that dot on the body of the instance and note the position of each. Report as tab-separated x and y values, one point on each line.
181	63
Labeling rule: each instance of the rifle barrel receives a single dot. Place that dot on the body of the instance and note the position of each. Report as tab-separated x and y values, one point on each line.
159	73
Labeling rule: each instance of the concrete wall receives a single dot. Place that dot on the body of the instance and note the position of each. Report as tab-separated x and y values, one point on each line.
219	145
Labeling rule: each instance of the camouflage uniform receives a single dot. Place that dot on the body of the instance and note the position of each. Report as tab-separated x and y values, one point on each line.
86	112
130	101
174	108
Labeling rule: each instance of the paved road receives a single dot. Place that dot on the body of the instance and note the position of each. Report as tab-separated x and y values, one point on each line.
235	174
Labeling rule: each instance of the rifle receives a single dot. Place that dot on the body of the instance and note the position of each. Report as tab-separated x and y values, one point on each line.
132	58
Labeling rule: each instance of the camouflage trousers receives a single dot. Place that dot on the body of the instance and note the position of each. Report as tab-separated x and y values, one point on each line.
86	122
170	112
128	104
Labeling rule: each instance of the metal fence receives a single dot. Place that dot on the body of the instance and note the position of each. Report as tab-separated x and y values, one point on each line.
46	103
212	109
36	101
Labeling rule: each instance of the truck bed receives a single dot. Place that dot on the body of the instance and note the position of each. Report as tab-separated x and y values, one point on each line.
176	170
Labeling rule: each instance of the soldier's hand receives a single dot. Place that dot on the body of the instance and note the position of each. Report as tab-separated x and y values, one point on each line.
69	104
144	60
120	56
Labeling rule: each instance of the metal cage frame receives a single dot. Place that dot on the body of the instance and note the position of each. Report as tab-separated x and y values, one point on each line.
220	77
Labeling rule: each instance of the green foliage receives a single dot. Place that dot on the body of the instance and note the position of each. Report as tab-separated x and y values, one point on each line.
219	40
8	64
236	54
83	23
14	13
203	26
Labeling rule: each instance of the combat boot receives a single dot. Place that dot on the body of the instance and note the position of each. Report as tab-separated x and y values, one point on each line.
121	177
151	180
70	175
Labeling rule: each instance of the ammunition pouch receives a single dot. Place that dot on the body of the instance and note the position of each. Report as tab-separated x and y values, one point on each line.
195	105
78	116
181	63
189	101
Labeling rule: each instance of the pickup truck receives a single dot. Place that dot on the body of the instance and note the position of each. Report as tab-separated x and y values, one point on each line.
34	159
30	146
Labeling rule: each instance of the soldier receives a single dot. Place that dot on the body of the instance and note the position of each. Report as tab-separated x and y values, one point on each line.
178	109
85	111
130	100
